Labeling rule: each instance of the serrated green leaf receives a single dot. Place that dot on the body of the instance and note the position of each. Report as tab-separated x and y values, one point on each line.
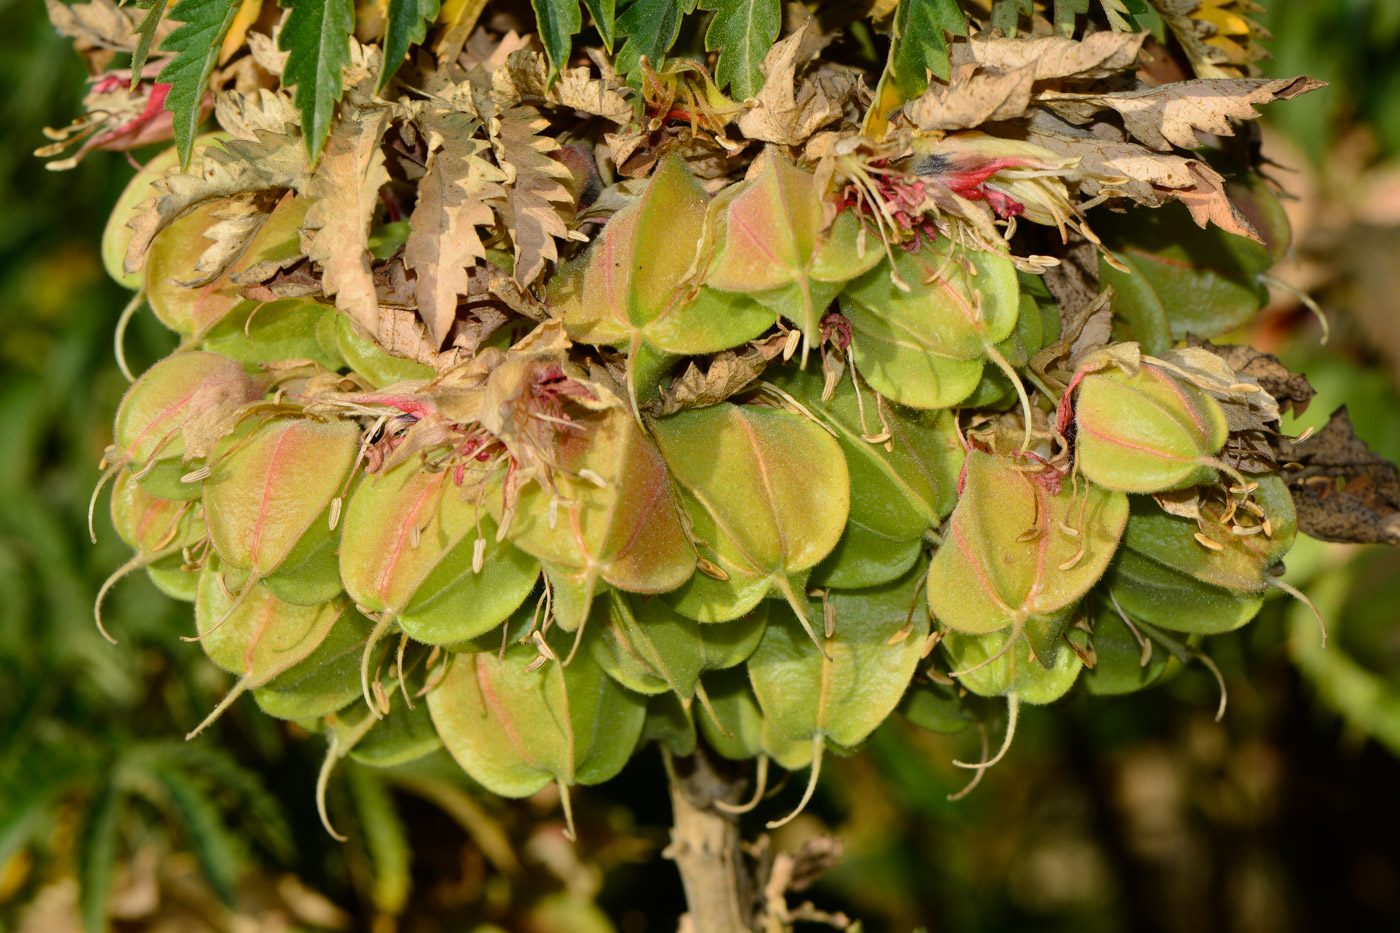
216	848
1006	15
919	42
604	13
651	28
196	45
145	32
406	24
742	32
558	21
316	37
97	857
385	839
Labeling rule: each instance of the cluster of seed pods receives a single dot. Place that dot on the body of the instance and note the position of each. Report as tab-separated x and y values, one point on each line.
558	577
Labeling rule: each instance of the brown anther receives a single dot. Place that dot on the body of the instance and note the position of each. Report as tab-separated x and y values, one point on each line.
901	635
938	677
536	664
1209	543
543	646
1244	531
930	643
381	697
1029	535
415	536
1078	556
711	570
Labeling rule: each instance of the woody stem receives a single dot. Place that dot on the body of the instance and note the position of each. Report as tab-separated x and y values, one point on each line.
705	843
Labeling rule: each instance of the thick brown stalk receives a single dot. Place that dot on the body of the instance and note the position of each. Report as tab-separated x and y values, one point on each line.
705	844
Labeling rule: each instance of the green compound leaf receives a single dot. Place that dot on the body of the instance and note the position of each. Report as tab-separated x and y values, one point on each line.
651	28
919	44
146	33
925	347
742	32
218	850
406	24
317	37
559	21
196	45
96	855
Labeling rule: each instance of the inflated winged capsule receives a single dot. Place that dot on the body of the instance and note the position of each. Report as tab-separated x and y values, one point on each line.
1018	550
1147	432
171	417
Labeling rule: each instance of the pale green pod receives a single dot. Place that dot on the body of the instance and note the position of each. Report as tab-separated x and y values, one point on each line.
1125	660
766	493
984	665
925	347
1018	550
171	417
1148	432
515	730
745	732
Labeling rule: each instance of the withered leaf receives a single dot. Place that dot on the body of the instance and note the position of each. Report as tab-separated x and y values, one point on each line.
1175	114
443	242
1345	492
1291	390
1098	55
726	374
973	97
788	112
346	186
243	115
272	161
103	23
532	188
524	79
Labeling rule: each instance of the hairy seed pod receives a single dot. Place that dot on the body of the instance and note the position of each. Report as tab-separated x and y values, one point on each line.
1147	432
925	347
669	723
326	680
171	417
278	330
1017	550
1125	658
936	707
987	667
767	494
739	730
117	235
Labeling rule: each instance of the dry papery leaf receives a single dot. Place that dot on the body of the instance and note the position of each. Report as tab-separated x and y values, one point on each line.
1098	55
1344	492
104	23
972	97
788	111
725	375
1291	390
532	189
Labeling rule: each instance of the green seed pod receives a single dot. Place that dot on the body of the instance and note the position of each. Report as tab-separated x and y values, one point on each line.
116	236
739	730
278	330
1125	659
649	647
770	245
409	544
515	728
404	733
270	484
925	347
1205	575
874	639
767	494
366	357
326	680
1147	432
158	530
624	292
1018	553
936	707
985	666
669	723
171	417
612	519
901	487
194	310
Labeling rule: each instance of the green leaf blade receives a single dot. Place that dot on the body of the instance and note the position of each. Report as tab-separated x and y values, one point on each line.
559	21
195	43
406	25
742	32
317	38
920	45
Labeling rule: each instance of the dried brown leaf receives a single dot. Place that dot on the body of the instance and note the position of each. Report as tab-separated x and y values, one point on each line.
973	97
452	202
532	188
524	79
243	116
1175	114
1291	390
103	23
1098	55
724	375
788	112
346	186
1345	492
